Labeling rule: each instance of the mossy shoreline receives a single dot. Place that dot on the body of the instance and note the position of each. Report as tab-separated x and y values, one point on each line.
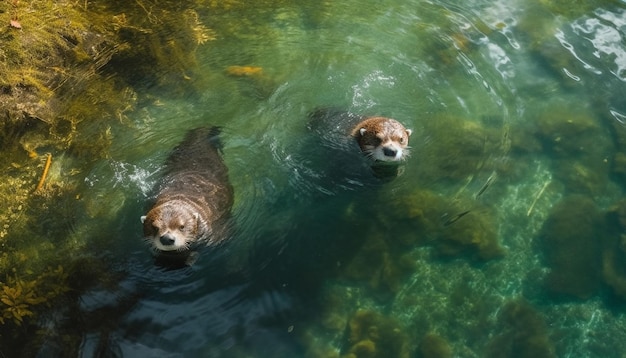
69	72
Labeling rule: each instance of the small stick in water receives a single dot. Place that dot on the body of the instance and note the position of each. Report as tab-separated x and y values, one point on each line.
456	217
539	193
45	172
490	180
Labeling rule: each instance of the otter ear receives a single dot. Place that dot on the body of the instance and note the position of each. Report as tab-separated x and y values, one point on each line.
408	132
362	131
143	219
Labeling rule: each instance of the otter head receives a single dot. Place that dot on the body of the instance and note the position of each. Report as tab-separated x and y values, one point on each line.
171	226
383	139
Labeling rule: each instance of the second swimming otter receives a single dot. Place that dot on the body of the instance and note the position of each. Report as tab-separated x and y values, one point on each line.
381	139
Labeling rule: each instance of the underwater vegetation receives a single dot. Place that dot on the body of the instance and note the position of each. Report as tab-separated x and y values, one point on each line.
453	226
585	248
522	333
69	72
371	335
462	147
614	251
21	298
434	346
573	251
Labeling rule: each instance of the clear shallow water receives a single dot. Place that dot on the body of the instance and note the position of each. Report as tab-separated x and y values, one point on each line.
514	106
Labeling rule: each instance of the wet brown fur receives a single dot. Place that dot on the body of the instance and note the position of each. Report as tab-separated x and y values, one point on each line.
376	131
194	197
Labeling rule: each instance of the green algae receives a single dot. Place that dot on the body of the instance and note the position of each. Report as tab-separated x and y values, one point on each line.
434	346
462	148
371	334
454	227
381	265
523	333
614	250
575	144
571	243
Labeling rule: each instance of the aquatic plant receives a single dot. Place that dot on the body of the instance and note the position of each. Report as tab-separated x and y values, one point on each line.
21	298
371	335
522	333
434	346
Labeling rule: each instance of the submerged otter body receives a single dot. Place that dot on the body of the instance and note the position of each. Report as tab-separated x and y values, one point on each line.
193	198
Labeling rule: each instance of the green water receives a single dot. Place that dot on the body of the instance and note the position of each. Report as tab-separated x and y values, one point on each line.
498	238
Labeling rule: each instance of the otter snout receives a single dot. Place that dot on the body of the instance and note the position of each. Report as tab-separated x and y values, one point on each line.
167	240
390	152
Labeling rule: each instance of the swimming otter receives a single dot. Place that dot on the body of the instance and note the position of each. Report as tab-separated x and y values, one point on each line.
193	198
381	139
347	138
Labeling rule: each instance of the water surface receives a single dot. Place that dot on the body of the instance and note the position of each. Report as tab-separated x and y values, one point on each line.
515	107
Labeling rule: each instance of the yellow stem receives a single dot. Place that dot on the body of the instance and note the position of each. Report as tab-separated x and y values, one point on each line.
45	172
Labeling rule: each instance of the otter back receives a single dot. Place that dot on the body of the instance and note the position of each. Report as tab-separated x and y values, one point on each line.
193	198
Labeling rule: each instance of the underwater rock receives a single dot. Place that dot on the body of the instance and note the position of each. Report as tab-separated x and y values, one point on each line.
614	253
566	132
618	213
380	265
383	256
523	333
373	335
578	147
591	178
446	224
434	346
549	52
476	235
570	239
460	148
619	165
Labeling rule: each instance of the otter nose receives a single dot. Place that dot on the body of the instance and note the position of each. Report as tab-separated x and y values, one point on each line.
389	152
167	240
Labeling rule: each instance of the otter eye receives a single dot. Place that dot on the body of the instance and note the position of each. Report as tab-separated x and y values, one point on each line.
401	140
182	227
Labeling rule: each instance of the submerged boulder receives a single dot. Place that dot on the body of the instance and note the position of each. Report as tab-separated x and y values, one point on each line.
372	335
522	333
570	239
614	253
434	346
